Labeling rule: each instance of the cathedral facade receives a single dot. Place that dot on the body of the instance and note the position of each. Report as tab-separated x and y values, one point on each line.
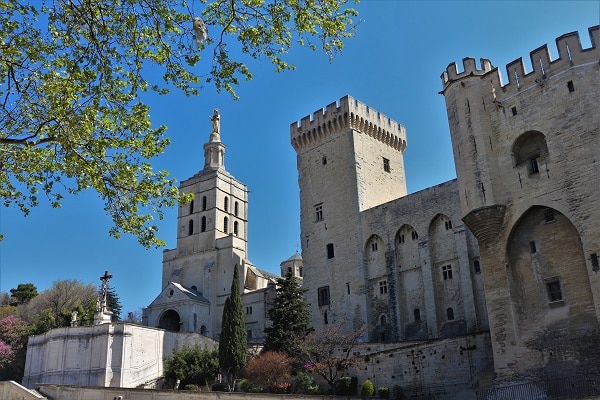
511	246
211	242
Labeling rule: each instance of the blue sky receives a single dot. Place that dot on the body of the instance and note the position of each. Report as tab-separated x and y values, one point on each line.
393	65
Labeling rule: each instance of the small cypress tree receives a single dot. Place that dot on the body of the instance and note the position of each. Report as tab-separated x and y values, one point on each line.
232	342
289	316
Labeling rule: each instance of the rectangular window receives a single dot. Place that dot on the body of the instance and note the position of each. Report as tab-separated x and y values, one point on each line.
249	310
570	86
249	334
533	166
401	239
514	110
553	289
382	287
323	295
448	225
330	253
348	288
595	263
532	247
319	212
324	160
386	165
447	272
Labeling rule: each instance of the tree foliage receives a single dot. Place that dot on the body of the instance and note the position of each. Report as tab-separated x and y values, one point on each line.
271	371
72	73
233	339
13	348
23	293
327	352
192	365
290	318
53	307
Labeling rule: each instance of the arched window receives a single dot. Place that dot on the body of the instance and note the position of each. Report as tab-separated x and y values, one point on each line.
225	223
450	314
235	228
191	206
191	227
236	208
382	320
203	203
417	314
226	204
203	224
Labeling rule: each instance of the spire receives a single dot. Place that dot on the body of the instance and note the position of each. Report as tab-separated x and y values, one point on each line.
214	150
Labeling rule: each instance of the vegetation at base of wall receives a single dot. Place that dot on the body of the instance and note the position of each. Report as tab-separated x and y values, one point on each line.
303	383
247	386
270	371
191	387
398	393
347	386
220	387
368	389
192	366
384	392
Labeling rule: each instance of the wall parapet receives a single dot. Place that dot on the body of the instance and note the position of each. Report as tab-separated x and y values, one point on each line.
570	53
347	113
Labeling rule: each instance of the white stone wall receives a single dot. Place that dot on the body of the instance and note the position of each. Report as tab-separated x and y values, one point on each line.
111	355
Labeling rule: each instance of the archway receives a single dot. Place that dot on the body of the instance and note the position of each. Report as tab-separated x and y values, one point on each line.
170	321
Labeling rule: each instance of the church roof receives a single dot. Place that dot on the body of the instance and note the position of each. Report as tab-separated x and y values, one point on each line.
295	257
192	294
264	274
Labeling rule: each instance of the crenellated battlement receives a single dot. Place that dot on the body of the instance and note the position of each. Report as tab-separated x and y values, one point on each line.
570	53
346	113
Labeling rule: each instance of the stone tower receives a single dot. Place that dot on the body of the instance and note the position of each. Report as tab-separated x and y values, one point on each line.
211	242
527	159
350	158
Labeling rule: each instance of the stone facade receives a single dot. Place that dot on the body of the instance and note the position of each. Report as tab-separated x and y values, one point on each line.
403	265
211	242
527	159
514	240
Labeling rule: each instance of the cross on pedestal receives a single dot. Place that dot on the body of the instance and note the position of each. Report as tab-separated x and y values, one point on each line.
104	278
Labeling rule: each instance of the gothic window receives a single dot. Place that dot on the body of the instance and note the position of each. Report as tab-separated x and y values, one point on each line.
191	227
414	235
226	204
235	228
382	320
330	253
447	272
386	165
225	223
203	224
236	208
192	207
323	296
374	246
450	314
448	225
382	287
401	238
203	203
417	314
300	272
553	289
319	212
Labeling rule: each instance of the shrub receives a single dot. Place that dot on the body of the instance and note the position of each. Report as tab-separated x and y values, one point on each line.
248	387
303	383
367	389
272	370
398	393
347	386
192	365
191	386
384	392
220	387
